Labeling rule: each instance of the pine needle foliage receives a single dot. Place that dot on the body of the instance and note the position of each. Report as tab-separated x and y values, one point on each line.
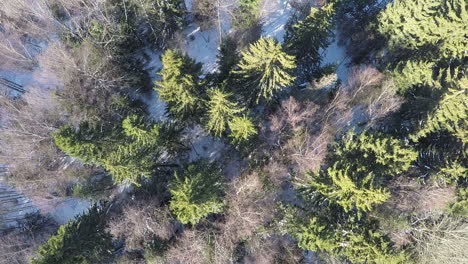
130	152
427	41
306	38
196	193
357	242
416	24
450	115
179	85
81	241
339	185
359	166
242	128
265	69
220	111
372	152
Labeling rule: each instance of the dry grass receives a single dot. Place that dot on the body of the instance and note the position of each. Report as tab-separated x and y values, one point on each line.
141	222
272	249
36	166
441	241
410	196
19	247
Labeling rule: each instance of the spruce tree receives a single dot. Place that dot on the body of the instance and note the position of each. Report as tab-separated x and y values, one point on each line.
129	152
450	115
356	241
179	86
264	69
220	110
427	39
228	58
246	14
306	38
196	193
417	24
242	128
81	241
358	165
348	190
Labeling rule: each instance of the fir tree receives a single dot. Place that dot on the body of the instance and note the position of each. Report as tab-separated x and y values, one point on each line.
179	86
427	40
242	128
81	241
196	193
306	38
130	152
416	24
357	241
348	190
247	14
228	58
264	69
450	115
220	111
359	165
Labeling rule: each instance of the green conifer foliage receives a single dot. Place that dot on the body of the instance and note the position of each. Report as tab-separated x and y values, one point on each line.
196	193
307	37
453	172
460	207
228	58
372	152
414	24
349	191
81	241
130	152
451	115
247	14
360	164
358	242
427	39
413	73
221	110
179	86
265	68
242	128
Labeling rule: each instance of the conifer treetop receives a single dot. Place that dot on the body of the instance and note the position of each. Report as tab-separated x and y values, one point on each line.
267	66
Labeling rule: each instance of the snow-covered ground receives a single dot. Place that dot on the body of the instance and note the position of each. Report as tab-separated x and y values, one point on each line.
275	15
68	209
14	207
336	54
202	46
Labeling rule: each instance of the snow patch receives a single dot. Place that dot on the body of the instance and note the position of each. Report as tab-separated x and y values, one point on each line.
203	47
204	146
335	54
189	5
275	15
69	209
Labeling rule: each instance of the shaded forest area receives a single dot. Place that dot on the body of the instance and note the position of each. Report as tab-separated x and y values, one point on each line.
233	131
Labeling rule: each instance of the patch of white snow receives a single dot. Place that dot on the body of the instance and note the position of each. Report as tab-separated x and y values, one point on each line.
335	54
69	209
202	46
275	15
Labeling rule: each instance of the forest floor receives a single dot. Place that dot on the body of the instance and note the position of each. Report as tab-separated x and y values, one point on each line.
203	47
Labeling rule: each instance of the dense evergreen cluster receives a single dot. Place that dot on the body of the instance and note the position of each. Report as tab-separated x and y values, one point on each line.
83	240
